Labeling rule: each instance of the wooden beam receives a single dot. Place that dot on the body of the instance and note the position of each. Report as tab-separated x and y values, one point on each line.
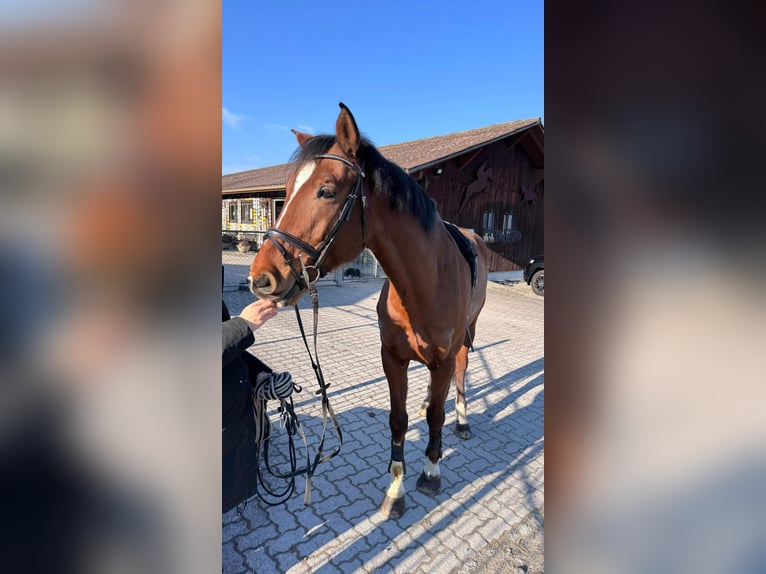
478	151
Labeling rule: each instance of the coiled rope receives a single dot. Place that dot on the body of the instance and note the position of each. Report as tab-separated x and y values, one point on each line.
270	387
279	387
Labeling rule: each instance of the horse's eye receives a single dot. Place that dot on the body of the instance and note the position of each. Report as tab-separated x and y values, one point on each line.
326	193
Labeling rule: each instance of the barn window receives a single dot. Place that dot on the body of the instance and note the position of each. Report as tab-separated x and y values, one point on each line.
246	211
233	212
489	226
507	222
488	221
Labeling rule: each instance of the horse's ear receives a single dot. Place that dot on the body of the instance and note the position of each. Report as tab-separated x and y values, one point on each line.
347	132
301	137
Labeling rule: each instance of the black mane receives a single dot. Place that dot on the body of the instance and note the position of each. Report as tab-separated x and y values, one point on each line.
402	191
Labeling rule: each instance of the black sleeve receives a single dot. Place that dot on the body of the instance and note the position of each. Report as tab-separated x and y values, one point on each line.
237	337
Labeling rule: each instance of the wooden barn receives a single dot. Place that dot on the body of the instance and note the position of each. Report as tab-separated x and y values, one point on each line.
489	179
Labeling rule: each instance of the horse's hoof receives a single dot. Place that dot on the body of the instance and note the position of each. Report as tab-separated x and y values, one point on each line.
392	507
429	484
463	431
424	410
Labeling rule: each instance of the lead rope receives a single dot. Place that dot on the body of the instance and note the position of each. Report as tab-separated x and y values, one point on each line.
280	386
327	409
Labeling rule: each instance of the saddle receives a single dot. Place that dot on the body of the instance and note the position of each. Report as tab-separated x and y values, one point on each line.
466	249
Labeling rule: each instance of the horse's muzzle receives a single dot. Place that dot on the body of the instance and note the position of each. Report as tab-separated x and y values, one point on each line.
267	286
262	285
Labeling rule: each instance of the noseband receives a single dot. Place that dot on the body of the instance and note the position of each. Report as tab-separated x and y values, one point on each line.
318	254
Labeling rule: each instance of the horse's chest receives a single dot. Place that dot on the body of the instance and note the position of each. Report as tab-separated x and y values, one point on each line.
411	342
413	333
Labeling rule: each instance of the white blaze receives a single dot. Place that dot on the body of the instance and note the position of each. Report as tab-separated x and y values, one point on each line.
303	176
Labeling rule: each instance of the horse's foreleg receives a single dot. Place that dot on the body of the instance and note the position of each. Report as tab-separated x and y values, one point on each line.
396	373
430	479
462	429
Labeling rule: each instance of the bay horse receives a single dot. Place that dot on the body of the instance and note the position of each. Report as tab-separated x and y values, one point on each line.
343	196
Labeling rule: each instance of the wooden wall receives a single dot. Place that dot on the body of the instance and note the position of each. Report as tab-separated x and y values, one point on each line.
499	177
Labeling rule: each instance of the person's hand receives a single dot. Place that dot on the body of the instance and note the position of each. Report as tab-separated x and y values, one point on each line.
256	314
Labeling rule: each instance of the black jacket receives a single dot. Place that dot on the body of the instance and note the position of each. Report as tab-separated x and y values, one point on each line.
239	448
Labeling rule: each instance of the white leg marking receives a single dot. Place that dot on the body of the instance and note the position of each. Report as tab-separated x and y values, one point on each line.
396	490
303	176
431	469
462	416
426	402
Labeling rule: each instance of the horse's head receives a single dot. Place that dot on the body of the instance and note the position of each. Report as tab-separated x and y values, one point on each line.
321	225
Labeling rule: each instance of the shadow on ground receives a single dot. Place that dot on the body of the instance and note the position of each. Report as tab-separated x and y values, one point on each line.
343	522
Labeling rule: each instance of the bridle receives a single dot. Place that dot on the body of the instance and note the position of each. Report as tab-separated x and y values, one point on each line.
319	253
302	281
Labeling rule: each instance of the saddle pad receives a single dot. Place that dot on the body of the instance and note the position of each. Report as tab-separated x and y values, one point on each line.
466	249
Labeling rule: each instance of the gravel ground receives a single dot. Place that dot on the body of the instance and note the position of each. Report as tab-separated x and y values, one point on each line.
518	287
519	550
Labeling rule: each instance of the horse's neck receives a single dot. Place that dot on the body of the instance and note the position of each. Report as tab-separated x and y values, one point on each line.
409	258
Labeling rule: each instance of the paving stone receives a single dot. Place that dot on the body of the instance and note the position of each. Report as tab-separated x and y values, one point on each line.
258	561
282	544
351	566
330	568
260	533
233	561
379	558
235	528
244	542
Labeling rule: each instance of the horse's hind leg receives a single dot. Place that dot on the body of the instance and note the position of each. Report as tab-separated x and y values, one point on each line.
430	480
396	373
462	429
426	401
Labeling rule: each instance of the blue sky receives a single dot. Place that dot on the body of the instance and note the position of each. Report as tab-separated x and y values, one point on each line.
407	70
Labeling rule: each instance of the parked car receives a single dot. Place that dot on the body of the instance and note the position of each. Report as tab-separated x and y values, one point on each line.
534	274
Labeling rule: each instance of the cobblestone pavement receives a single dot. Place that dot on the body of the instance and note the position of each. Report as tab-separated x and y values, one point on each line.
491	483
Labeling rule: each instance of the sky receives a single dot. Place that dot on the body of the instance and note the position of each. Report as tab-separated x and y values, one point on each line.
406	70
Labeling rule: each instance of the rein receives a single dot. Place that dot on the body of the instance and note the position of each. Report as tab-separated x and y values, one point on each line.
302	281
290	419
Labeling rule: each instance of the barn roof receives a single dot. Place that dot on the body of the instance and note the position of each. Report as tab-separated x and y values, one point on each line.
412	155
